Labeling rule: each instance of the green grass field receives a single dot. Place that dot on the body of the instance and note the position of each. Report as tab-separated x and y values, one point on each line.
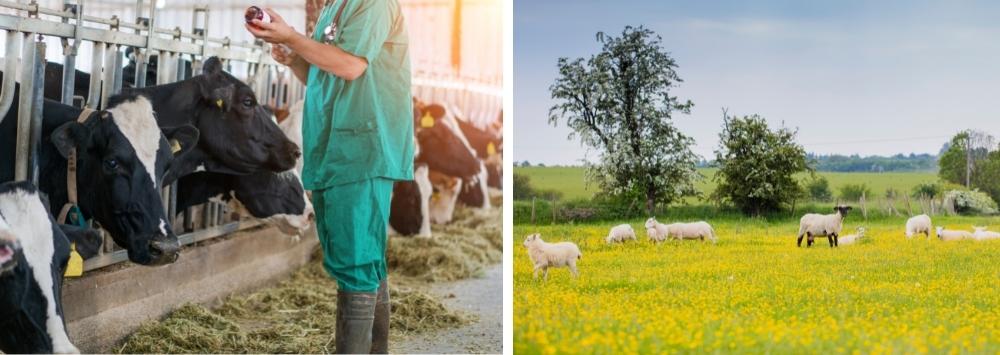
570	180
755	292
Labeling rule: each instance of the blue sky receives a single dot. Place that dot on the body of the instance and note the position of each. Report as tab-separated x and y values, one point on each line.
855	77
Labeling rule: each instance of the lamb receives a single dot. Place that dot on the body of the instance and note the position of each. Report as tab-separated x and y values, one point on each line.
918	224
656	231
620	234
982	234
852	238
828	225
948	235
545	255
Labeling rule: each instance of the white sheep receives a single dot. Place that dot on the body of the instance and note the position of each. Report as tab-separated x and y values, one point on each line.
948	235
695	230
918	224
659	232
620	234
852	238
982	234
812	225
656	231
545	255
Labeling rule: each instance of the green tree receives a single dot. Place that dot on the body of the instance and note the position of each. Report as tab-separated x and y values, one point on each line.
819	189
619	103
522	187
951	166
757	165
985	167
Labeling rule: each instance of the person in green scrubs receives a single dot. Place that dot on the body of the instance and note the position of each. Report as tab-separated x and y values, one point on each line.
357	135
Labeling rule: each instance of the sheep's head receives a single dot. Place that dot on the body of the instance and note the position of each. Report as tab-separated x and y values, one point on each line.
939	229
651	223
861	231
842	210
532	239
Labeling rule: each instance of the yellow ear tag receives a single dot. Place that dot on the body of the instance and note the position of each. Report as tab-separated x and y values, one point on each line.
427	121
491	149
219	103
435	196
75	266
175	146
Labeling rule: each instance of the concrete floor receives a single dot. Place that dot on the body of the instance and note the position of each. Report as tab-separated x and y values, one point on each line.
482	297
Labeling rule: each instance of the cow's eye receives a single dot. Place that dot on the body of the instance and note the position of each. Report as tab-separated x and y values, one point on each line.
248	102
111	164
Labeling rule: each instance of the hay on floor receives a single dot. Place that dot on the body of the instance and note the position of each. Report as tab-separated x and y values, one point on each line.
457	250
297	316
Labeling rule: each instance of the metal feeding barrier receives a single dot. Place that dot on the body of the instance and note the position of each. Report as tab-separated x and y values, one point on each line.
25	31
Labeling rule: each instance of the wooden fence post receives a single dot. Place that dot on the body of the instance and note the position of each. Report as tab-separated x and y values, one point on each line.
908	208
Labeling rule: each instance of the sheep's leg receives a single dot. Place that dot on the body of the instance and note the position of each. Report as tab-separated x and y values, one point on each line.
545	274
836	240
809	239
572	269
536	272
799	242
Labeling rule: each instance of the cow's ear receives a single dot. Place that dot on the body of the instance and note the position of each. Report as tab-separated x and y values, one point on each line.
181	138
435	110
212	66
88	241
68	136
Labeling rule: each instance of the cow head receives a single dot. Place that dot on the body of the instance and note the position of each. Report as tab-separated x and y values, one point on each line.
122	156
240	133
441	148
279	198
30	292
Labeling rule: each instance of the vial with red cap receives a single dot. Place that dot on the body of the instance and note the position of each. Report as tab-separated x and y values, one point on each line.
256	13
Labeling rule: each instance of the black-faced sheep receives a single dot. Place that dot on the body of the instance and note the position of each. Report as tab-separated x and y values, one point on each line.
829	225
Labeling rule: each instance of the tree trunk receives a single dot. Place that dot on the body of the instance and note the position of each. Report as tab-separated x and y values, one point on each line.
650	198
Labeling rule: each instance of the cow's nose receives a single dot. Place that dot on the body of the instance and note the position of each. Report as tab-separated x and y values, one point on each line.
164	249
296	152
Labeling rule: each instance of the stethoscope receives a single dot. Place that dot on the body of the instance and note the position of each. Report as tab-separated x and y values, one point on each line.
330	32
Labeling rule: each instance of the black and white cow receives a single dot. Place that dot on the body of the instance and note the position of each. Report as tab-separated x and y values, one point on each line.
238	135
33	257
122	156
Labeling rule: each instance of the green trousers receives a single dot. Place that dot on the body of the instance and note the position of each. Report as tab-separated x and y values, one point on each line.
351	222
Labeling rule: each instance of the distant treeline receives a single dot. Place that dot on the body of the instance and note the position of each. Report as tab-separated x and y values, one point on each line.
844	163
856	163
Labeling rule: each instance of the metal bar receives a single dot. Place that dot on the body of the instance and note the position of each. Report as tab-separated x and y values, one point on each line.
37	96
185	239
108	73
24	106
10	70
97	59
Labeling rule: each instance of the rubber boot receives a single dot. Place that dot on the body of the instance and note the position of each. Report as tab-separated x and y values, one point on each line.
380	329
355	314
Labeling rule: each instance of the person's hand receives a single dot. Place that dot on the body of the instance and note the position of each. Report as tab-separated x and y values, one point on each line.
276	32
283	55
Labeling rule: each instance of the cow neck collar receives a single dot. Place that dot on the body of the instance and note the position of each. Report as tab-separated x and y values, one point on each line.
71	189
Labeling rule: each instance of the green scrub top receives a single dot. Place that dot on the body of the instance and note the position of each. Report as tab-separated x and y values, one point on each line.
360	129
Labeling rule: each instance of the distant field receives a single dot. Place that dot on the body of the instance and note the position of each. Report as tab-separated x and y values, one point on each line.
570	180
